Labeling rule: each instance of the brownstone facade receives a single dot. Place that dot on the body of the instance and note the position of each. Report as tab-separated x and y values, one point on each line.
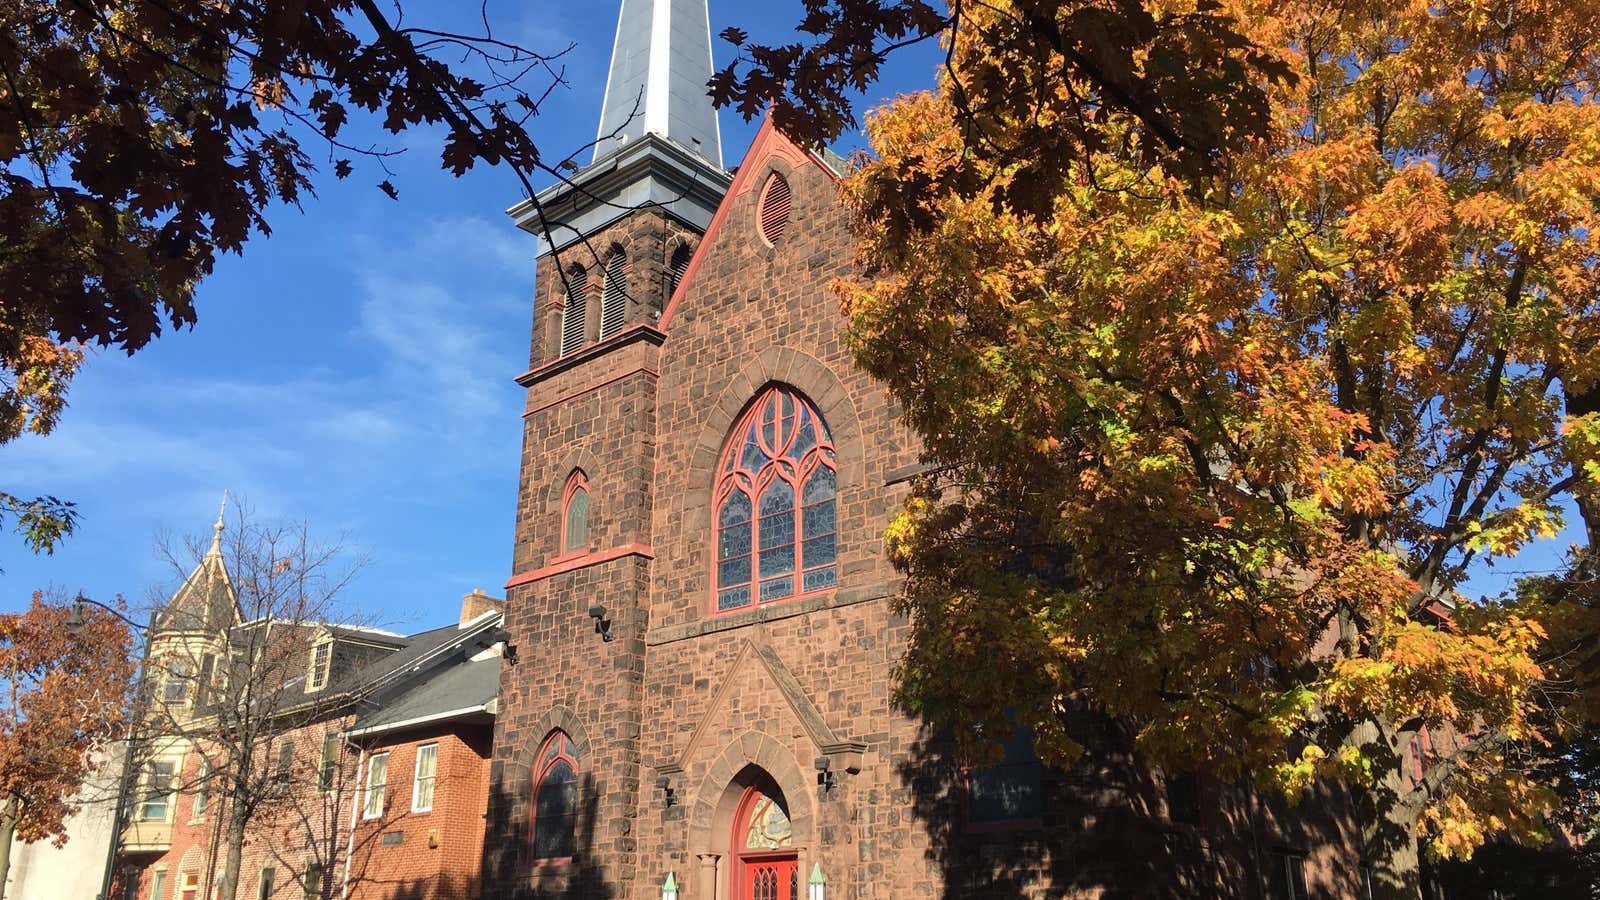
700	705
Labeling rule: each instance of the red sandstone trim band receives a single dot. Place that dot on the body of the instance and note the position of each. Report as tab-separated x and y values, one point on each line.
592	388
581	562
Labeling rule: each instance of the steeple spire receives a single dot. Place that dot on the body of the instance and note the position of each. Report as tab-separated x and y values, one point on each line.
660	63
216	530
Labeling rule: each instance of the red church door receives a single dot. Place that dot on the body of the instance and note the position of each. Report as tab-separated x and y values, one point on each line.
768	869
774	878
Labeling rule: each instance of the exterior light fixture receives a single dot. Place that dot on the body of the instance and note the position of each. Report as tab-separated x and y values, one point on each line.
814	886
669	888
825	777
602	624
668	795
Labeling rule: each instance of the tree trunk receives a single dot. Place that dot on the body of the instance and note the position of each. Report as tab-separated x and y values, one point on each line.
1390	837
233	849
8	828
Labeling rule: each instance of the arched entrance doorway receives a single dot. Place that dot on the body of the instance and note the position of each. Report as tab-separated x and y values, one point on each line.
766	865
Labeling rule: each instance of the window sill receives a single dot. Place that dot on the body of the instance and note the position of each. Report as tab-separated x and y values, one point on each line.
1004	826
771	612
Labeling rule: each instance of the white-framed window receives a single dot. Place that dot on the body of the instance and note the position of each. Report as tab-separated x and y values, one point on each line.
265	886
422	781
377	780
158	884
202	790
159	778
321	660
180	673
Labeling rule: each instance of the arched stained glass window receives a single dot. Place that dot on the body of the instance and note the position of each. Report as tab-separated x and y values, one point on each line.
775	522
555	805
575	513
765	825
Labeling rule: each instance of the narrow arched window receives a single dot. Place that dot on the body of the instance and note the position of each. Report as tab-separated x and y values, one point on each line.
775	517
677	267
555	803
773	209
575	513
572	312
614	298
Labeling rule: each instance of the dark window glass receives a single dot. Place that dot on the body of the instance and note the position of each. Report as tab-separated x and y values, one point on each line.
264	891
1289	877
577	521
330	756
1012	789
556	813
1183	798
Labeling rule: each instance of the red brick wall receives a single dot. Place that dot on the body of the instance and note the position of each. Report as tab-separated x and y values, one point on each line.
430	854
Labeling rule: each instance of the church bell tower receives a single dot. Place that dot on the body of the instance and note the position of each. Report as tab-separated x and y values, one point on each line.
615	237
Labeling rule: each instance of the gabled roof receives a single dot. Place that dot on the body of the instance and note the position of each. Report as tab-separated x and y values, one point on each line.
769	142
461	690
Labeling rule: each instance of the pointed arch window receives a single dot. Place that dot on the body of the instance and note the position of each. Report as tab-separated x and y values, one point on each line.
775	526
677	267
575	513
572	312
555	804
614	297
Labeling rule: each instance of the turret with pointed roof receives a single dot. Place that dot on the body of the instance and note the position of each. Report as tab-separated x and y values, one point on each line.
206	601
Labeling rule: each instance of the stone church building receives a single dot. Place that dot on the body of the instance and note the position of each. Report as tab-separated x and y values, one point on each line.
700	607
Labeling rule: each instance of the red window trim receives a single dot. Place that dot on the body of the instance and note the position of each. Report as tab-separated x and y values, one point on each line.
577	481
742	857
732	476
539	773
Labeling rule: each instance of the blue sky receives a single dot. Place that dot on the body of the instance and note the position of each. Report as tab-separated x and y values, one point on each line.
354	370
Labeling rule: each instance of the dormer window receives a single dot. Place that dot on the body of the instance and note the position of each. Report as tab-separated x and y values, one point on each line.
321	659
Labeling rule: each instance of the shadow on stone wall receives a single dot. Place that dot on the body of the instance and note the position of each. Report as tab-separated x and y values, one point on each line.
1104	829
508	870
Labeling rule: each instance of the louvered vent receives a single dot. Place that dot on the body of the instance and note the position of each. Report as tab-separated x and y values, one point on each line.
572	314
677	268
775	200
614	300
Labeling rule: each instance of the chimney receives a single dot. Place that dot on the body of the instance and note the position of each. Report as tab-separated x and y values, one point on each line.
476	604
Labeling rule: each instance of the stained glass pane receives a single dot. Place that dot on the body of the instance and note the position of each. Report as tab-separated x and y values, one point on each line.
555	813
778	497
805	440
733	598
777	561
819	520
819	551
577	521
777	588
817	579
735	509
820	486
768	827
751	456
735	570
733	540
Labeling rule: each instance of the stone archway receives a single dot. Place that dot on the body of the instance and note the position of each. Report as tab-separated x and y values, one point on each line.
753	761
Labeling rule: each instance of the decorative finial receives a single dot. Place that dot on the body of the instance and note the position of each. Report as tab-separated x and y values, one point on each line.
216	536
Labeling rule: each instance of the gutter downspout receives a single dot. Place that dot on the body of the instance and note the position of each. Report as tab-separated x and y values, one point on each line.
355	805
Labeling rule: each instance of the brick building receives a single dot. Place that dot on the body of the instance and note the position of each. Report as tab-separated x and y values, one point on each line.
700	600
342	695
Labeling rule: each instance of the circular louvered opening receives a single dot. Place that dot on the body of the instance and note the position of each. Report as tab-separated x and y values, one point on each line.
774	208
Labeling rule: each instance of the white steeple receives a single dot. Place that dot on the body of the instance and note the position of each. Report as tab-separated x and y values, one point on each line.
660	63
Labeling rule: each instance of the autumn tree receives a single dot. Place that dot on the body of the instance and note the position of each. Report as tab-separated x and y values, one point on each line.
140	139
65	692
227	703
1221	448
